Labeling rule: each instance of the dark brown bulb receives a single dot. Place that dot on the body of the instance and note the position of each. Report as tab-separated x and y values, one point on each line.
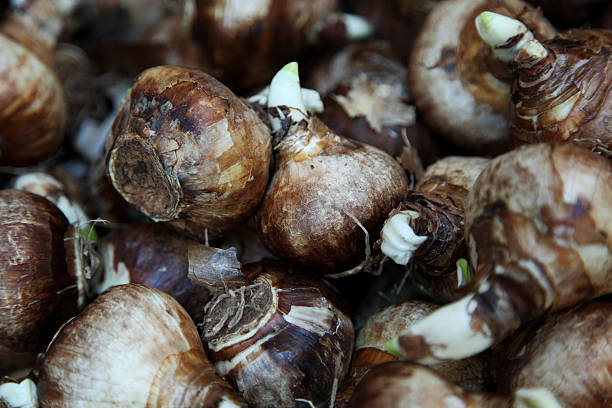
185	150
565	96
323	188
38	289
282	338
151	255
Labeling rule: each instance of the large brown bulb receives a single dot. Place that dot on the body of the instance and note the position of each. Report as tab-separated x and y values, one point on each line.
133	346
32	106
322	184
282	338
567	96
185	150
37	293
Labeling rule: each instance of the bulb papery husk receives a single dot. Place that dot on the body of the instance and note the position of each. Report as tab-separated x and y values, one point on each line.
566	97
459	87
32	107
283	339
235	32
321	184
537	228
366	99
569	354
133	346
151	255
399	384
38	289
185	150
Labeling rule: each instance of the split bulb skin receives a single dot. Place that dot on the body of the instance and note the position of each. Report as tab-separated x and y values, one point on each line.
321	184
281	337
154	256
133	346
38	290
366	99
459	88
539	246
186	151
568	353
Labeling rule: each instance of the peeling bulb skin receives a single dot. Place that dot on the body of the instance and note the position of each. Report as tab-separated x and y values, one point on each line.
434	214
280	338
537	218
564	96
551	355
94	356
458	85
186	151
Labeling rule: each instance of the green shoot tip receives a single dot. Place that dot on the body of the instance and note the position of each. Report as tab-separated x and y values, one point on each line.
486	17
392	347
291	67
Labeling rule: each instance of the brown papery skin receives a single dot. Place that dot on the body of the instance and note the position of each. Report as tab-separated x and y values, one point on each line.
155	257
399	384
184	149
571	102
134	346
569	354
389	322
319	178
538	226
32	107
251	42
37	294
293	341
458	85
366	99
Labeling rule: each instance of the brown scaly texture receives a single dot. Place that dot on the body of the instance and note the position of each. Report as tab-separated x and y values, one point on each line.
280	338
398	384
538	227
569	354
320	179
566	97
37	294
134	346
184	149
250	41
457	84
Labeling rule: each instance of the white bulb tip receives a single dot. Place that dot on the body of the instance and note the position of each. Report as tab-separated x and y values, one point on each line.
399	240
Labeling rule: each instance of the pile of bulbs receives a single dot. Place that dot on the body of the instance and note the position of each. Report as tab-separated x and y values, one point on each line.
290	203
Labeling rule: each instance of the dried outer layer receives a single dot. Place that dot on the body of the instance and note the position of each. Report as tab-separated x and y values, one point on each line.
185	150
569	354
366	99
321	183
37	292
399	384
568	95
133	346
458	85
472	374
538	231
32	107
151	255
282	339
266	33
